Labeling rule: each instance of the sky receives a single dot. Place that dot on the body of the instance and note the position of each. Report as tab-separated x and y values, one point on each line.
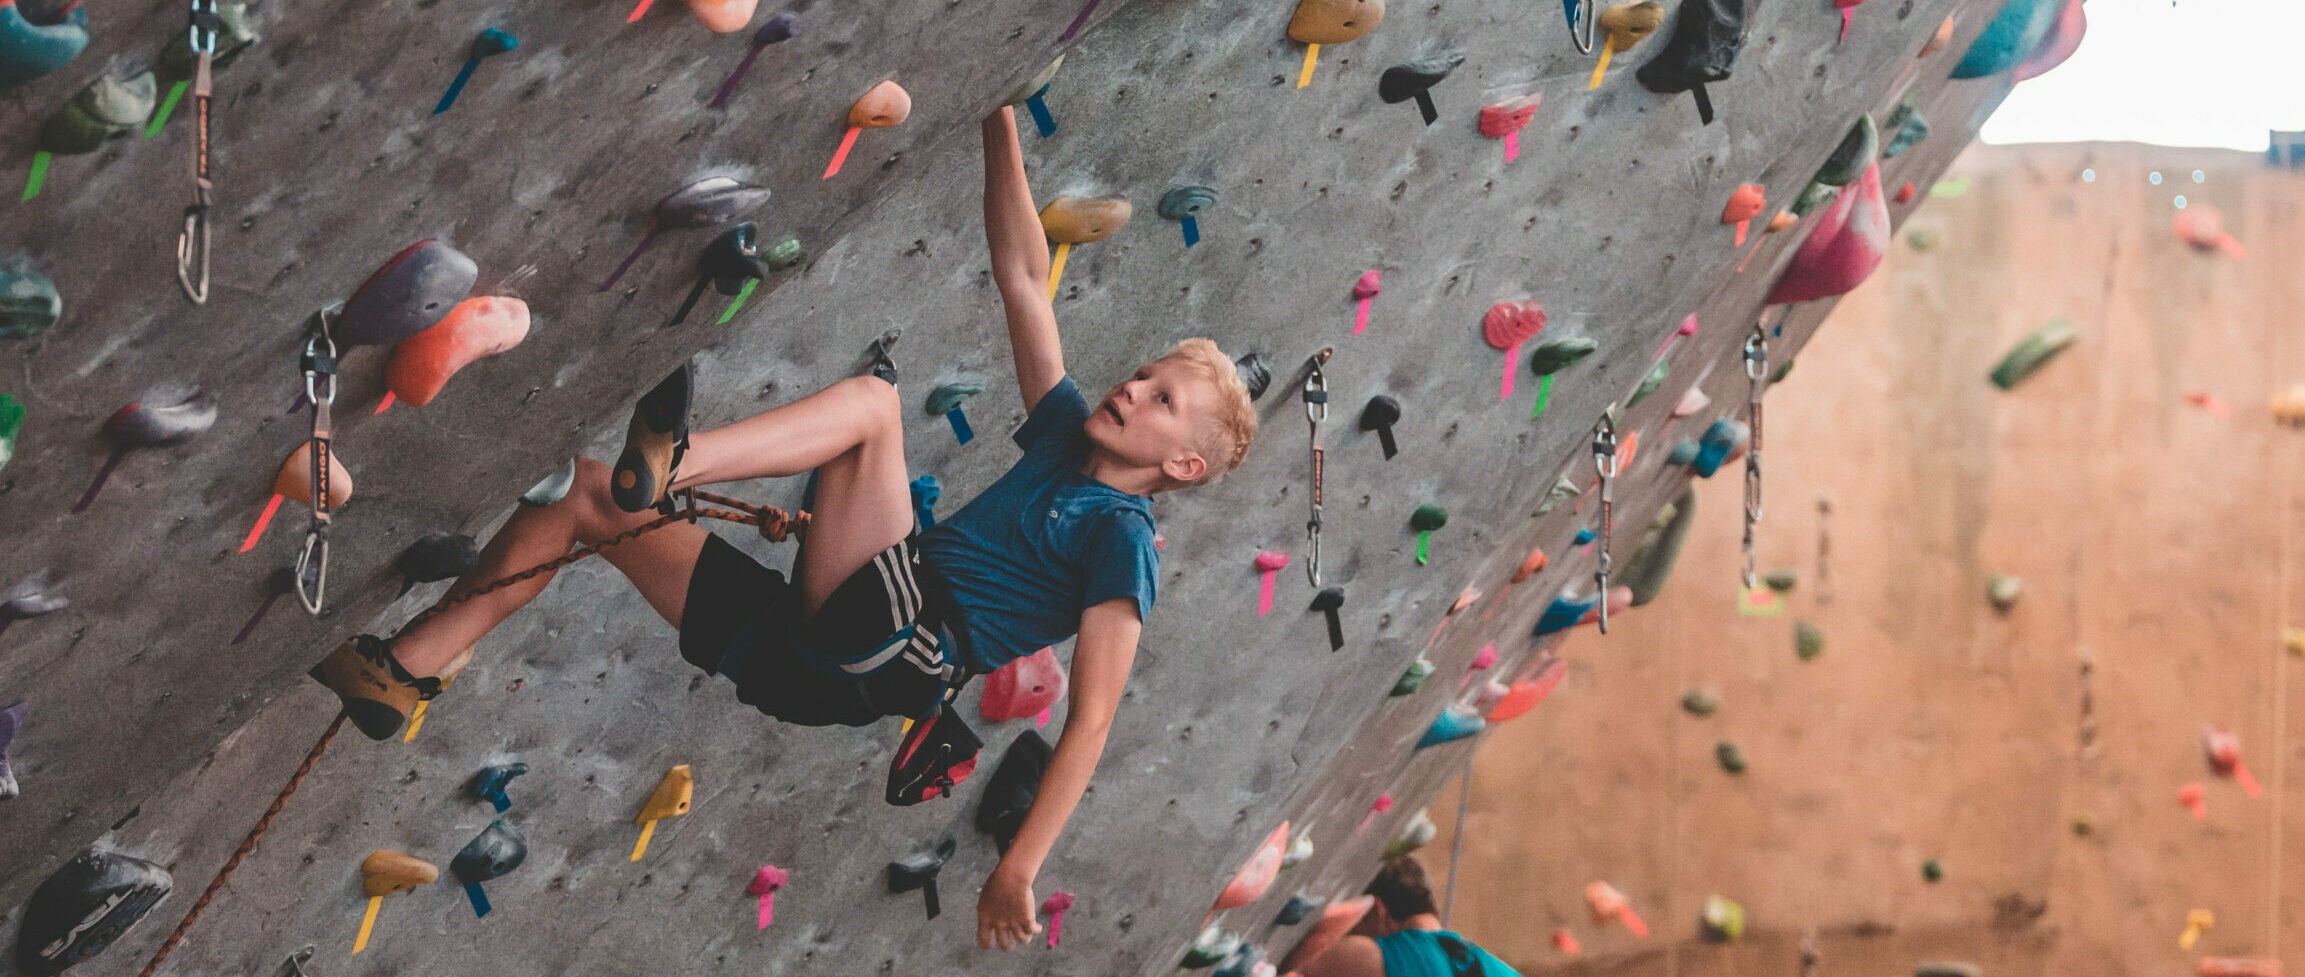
2218	73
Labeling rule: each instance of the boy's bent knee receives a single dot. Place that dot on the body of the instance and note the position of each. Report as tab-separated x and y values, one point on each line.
877	401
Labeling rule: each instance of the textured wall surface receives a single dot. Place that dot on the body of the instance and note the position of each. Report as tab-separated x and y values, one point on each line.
151	731
2156	537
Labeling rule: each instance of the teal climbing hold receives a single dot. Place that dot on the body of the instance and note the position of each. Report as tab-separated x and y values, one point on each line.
109	107
1555	355
1185	206
1455	723
948	398
30	50
1682	453
1906	128
29	302
552	488
1721	440
1413	678
1857	151
1564	613
2008	39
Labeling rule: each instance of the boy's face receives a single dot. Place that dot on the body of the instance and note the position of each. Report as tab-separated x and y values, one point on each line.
1149	420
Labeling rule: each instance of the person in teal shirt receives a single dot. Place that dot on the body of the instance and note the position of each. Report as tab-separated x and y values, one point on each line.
1401	936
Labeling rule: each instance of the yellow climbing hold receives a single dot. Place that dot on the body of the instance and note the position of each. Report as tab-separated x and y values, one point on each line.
1626	24
2196	922
671	799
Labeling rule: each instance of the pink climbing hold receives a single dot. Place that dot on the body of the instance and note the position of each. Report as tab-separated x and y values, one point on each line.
1848	242
764	884
1249	884
2063	39
1487	659
2203	227
1506	119
2195	799
1024	687
1365	291
1055	906
1528	692
1384	803
1269	565
1506	326
1687	329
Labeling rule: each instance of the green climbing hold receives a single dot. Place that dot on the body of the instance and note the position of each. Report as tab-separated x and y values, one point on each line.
1700	702
1562	492
785	254
1650	383
2082	826
1922	239
11	424
1732	759
1855	153
1782	371
2003	591
1660	548
1428	518
1555	355
1416	834
109	108
1811	197
29	303
1413	678
1932	872
1782	581
1808	641
1724	919
2034	352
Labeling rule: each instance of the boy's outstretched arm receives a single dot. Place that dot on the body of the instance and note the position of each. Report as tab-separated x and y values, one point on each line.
1005	910
1019	260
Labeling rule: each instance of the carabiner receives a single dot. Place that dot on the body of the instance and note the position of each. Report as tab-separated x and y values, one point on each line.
1589	12
1757	355
1605	446
206	23
312	566
192	252
1605	464
1316	397
319	360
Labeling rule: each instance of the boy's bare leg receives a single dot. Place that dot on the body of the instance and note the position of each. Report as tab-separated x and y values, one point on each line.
852	435
658	563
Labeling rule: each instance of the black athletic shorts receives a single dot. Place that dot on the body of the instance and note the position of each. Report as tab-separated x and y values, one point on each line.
876	648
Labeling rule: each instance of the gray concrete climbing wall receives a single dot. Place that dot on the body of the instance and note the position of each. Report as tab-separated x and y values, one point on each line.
151	731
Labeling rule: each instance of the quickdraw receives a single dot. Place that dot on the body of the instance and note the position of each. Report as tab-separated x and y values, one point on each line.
192	244
1756	371
1587	12
1316	397
1605	464
319	364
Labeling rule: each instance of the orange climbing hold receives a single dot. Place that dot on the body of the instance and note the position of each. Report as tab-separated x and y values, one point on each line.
474	329
723	16
1527	693
1744	205
1566	942
1249	884
1607	904
2203	227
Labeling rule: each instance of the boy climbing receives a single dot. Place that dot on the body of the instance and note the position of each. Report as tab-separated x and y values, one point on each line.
881	619
1401	936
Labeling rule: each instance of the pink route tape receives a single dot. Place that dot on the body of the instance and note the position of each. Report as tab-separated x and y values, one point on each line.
1269	565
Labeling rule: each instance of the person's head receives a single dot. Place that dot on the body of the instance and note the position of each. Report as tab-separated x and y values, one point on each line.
1186	414
1402	892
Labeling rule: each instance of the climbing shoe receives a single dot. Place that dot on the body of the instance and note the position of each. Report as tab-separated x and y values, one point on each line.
377	692
653	445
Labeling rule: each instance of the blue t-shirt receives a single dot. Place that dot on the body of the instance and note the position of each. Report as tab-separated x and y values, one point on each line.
1045	542
1425	953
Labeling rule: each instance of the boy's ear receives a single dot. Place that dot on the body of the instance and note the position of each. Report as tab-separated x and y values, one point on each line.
1186	468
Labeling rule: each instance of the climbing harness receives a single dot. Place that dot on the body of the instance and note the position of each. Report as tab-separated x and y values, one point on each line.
319	364
1587	11
1757	371
1605	464
1316	396
192	244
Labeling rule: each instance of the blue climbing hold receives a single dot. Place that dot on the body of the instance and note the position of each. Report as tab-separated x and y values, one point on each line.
488	784
1720	441
1682	453
2008	39
925	493
29	50
1585	536
1455	723
1564	613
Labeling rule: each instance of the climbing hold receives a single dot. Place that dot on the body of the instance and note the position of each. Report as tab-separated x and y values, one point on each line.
1723	441
1030	95
30	49
1922	239
1014	785
2223	750
2239	967
1700	702
764	885
946	401
490	782
1255	374
1811	196
709	202
1938	40
886	104
1808	640
1382	412
2003	591
1415	80
2195	799
1684	452
1455	723
1416	834
1505	120
1269	564
2009	38
1846	245
1425	520
1299	908
1659	548
1327	602
1562	492
490	43
723	16
1905	193
34	596
1185	205
1071	220
1744	205
475	328
1365	291
785	254
1318	22
1781	581
1856	152
1487	659
1702	50
925	493
1626	24
1212	945
1256	875
670	799
11	720
437	556
782	27
2062	39
29	302
412	292
498	849
1299	850
1906	128
1530	566
2197	921
82	907
1566	942
1609	905
1246	960
109	107
295	482
1529	692
168	415
2203	227
1732	759
730	265
1506	326
1564	613
1585	537
385	873
1054	907
1413	678
1554	355
1650	382
1947	969
552	488
919	871
1724	919
1026	687
1931	871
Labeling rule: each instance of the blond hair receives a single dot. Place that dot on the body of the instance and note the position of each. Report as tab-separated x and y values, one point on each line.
1231	423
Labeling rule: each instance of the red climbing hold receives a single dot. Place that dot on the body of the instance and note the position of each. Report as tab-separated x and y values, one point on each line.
1024	687
1249	884
2195	799
1606	904
1848	242
475	328
1506	119
2203	227
1906	193
1566	942
1528	692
